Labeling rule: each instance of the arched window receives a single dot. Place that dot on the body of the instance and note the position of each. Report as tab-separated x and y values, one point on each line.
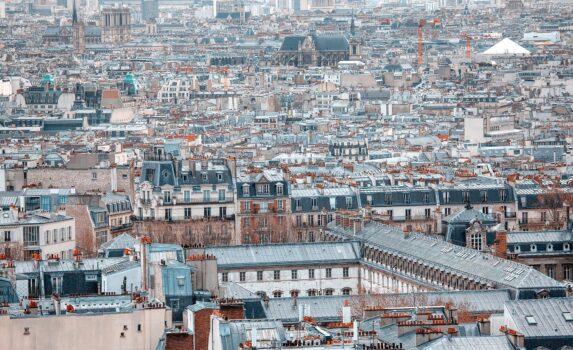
311	292
294	293
277	294
329	291
346	291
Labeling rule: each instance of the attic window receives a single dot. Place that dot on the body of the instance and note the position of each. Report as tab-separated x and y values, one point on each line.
220	177
204	176
165	173
567	316
530	320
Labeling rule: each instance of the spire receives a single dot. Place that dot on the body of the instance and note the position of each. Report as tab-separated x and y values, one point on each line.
74	14
352	26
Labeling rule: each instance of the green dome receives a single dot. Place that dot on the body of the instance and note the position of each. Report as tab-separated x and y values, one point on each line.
129	79
47	79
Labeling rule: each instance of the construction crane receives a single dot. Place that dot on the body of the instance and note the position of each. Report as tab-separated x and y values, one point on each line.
421	25
468	45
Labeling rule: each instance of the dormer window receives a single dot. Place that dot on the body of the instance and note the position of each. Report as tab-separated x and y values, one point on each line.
204	176
517	249
263	189
245	190
483	196
219	177
533	247
566	247
549	247
280	189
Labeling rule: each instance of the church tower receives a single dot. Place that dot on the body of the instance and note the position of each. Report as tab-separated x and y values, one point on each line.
78	33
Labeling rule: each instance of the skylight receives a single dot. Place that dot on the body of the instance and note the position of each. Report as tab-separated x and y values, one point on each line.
568	317
531	320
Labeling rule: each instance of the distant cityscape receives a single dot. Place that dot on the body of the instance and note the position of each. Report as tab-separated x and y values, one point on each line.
286	174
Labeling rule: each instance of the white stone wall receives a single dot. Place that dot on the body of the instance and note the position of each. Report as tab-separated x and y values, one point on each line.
302	284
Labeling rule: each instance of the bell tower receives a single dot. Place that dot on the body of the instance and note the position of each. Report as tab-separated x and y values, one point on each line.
78	33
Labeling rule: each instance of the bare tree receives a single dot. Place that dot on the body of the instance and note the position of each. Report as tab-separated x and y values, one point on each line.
553	203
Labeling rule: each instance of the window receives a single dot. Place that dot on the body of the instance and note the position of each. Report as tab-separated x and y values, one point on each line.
31	235
166	197
549	247
320	220
311	292
447	211
406	198
294	274
69	233
426	198
310	273
345	272
245	190
567	316
476	241
314	202
277	275
222	212
7	236
168	214
533	247
298	205
204	176
206	196
225	277
346	291
259	275
369	199
294	293
566	246
187	213
329	291
187	196
310	220
280	189
221	195
219	177
483	196
531	320
567	272
550	270
277	294
207	212
263	189
466	196
388	198
446	197
47	236
502	195
94	176
485	210
427	213
242	276
349	202
328	272
91	278
57	285
408	213
175	304
298	220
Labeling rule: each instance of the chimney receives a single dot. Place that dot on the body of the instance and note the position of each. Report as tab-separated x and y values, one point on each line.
484	326
113	178
501	244
406	233
346	312
57	304
357	225
424	335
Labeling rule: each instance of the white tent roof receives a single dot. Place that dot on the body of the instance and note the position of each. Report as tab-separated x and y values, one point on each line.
506	47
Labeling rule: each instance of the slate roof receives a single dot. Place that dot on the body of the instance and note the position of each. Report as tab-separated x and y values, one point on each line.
539	237
290	43
474	343
330	42
233	333
123	241
449	257
289	254
326	308
547	313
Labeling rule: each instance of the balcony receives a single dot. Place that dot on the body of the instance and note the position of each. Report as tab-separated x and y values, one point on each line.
408	218
122	227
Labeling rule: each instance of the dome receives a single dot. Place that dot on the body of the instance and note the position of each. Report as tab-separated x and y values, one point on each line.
47	79
129	78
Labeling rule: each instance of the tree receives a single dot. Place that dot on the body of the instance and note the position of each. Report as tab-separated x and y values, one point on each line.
553	203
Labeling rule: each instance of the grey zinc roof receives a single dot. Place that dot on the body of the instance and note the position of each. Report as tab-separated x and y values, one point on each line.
468	215
449	257
285	254
327	308
290	43
539	237
123	241
547	313
68	265
474	343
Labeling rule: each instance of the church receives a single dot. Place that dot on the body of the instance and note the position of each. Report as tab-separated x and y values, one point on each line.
317	50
